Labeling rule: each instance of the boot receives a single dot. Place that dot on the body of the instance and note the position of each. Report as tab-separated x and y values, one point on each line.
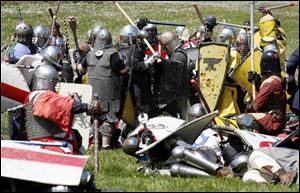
114	142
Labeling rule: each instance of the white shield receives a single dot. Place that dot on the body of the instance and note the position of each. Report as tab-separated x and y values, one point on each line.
81	121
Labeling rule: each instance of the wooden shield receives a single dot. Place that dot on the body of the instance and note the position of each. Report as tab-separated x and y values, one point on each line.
213	65
240	73
81	121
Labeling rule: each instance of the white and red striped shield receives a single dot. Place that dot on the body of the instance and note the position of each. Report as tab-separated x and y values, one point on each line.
31	163
14	88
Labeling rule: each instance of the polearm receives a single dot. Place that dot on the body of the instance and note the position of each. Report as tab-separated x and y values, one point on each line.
165	23
252	45
236	25
281	6
132	23
199	14
20	15
54	17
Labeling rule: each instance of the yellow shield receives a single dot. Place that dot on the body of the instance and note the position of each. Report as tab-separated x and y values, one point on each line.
213	65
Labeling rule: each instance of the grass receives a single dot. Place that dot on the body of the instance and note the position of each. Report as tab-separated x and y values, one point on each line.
117	170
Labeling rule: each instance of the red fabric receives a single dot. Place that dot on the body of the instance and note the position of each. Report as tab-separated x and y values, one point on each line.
155	47
266	93
56	108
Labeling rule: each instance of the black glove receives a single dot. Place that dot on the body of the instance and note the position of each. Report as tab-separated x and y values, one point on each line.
142	23
78	56
76	96
263	8
292	87
253	76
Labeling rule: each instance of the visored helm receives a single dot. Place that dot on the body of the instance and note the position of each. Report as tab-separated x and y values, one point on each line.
103	39
270	62
41	35
52	56
45	77
228	35
210	22
131	145
151	29
93	32
169	41
129	34
23	32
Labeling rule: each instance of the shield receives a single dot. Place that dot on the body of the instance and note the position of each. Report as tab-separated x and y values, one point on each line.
240	73
29	163
14	88
81	121
188	132
169	80
213	65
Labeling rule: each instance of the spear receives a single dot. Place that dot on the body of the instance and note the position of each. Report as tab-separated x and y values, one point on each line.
132	23
252	45
236	25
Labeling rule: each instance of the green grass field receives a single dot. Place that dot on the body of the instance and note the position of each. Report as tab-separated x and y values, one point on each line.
117	170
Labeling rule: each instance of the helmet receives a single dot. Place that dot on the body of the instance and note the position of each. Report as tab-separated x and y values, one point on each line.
228	35
41	31
52	56
60	43
130	145
195	111
243	44
151	29
270	62
45	77
23	32
103	39
41	34
129	34
92	33
239	163
182	33
210	22
169	41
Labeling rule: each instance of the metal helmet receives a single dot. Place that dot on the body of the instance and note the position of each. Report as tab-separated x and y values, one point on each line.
270	62
151	29
45	77
129	34
169	41
93	32
196	110
52	56
103	39
210	22
130	145
60	43
41	31
243	44
239	163
182	33
23	32
41	35
228	35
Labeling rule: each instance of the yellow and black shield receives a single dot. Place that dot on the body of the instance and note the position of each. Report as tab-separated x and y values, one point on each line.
240	73
213	65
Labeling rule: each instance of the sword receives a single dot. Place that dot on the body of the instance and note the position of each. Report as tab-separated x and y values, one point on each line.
165	23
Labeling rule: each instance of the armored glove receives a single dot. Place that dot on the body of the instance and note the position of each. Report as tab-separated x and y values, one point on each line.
95	108
76	96
256	77
152	59
78	56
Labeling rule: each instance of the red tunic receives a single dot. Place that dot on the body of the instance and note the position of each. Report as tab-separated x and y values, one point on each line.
156	48
56	108
271	97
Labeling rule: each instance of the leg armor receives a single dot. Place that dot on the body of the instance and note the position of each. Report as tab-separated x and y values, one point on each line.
187	171
195	158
